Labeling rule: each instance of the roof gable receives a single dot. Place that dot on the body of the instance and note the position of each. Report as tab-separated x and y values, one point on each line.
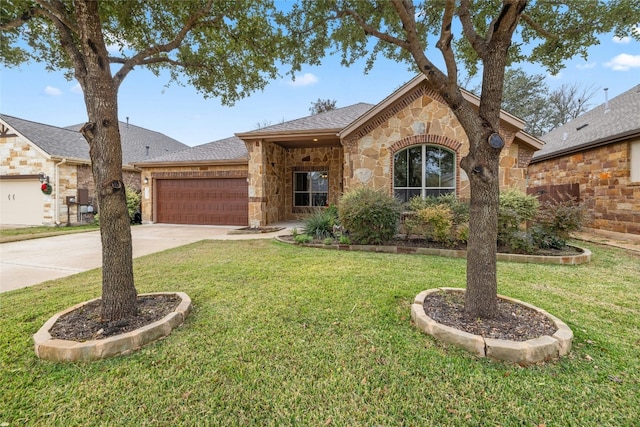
413	89
52	140
606	123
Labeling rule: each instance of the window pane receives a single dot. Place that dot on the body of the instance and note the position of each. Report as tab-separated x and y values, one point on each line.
448	168
301	182
301	199
319	199
319	181
401	195
400	169
415	167
432	167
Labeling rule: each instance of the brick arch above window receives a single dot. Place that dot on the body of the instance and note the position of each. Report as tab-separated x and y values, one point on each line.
444	141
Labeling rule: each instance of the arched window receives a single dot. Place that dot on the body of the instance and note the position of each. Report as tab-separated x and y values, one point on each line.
423	170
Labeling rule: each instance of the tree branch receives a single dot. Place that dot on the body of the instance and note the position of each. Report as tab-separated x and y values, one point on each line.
538	28
478	43
444	44
372	30
150	55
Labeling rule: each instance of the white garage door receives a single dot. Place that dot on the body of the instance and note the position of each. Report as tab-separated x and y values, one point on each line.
21	202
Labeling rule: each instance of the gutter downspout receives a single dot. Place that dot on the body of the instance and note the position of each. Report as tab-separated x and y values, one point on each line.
56	204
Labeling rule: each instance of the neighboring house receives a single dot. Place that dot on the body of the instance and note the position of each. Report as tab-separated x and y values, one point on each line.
34	152
409	144
598	156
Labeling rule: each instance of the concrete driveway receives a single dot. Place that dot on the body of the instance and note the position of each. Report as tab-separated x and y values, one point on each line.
30	262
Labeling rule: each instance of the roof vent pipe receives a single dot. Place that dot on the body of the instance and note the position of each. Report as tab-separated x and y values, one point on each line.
606	100
127	122
146	150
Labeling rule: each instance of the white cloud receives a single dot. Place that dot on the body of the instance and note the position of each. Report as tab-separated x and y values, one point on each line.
76	88
52	91
586	66
624	62
304	80
622	40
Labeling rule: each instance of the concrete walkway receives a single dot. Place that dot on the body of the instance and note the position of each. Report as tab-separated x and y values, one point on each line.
30	262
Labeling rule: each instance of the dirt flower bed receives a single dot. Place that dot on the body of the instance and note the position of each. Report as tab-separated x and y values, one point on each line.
512	322
83	324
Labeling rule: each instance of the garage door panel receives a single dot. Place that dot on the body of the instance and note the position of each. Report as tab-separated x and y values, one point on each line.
218	201
21	202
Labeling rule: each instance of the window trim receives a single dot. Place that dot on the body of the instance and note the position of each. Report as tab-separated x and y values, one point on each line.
310	190
424	188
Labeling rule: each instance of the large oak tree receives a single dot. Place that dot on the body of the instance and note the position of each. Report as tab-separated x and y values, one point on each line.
225	49
486	36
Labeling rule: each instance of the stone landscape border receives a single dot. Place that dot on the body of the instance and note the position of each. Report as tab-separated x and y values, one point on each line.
581	258
49	348
521	352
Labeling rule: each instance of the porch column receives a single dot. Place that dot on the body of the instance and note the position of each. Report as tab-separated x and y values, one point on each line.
257	198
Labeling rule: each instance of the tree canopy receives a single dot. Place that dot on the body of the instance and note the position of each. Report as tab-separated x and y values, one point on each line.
322	105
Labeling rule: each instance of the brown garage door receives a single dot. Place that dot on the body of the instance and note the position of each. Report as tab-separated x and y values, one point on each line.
219	201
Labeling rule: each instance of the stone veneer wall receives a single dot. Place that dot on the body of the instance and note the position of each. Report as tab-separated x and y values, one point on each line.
603	174
421	117
308	160
177	172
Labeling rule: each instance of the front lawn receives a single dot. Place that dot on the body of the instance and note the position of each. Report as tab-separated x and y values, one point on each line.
285	335
27	233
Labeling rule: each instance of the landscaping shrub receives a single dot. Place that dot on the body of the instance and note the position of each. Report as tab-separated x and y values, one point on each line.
516	208
555	221
436	223
320	224
458	214
369	216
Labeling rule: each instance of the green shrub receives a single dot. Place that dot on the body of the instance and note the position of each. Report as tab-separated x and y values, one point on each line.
516	208
436	223
320	224
303	238
560	218
328	241
370	217
133	201
344	240
461	232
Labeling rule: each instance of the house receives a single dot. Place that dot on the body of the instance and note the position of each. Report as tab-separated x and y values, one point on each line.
597	155
409	144
35	153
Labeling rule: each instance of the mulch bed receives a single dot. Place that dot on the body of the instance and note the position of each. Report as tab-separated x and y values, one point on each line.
513	321
84	324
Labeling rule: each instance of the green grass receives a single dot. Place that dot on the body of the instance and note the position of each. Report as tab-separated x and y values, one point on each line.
26	233
284	335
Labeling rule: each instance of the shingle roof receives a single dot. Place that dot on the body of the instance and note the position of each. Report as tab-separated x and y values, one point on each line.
52	140
595	126
136	139
334	119
232	148
68	142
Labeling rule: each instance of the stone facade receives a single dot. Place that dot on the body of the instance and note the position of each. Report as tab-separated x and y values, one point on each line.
153	173
604	177
20	158
365	157
421	117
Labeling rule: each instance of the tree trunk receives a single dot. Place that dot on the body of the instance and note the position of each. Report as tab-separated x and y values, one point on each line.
103	135
482	285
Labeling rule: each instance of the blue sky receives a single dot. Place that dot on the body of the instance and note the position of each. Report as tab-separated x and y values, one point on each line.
32	93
